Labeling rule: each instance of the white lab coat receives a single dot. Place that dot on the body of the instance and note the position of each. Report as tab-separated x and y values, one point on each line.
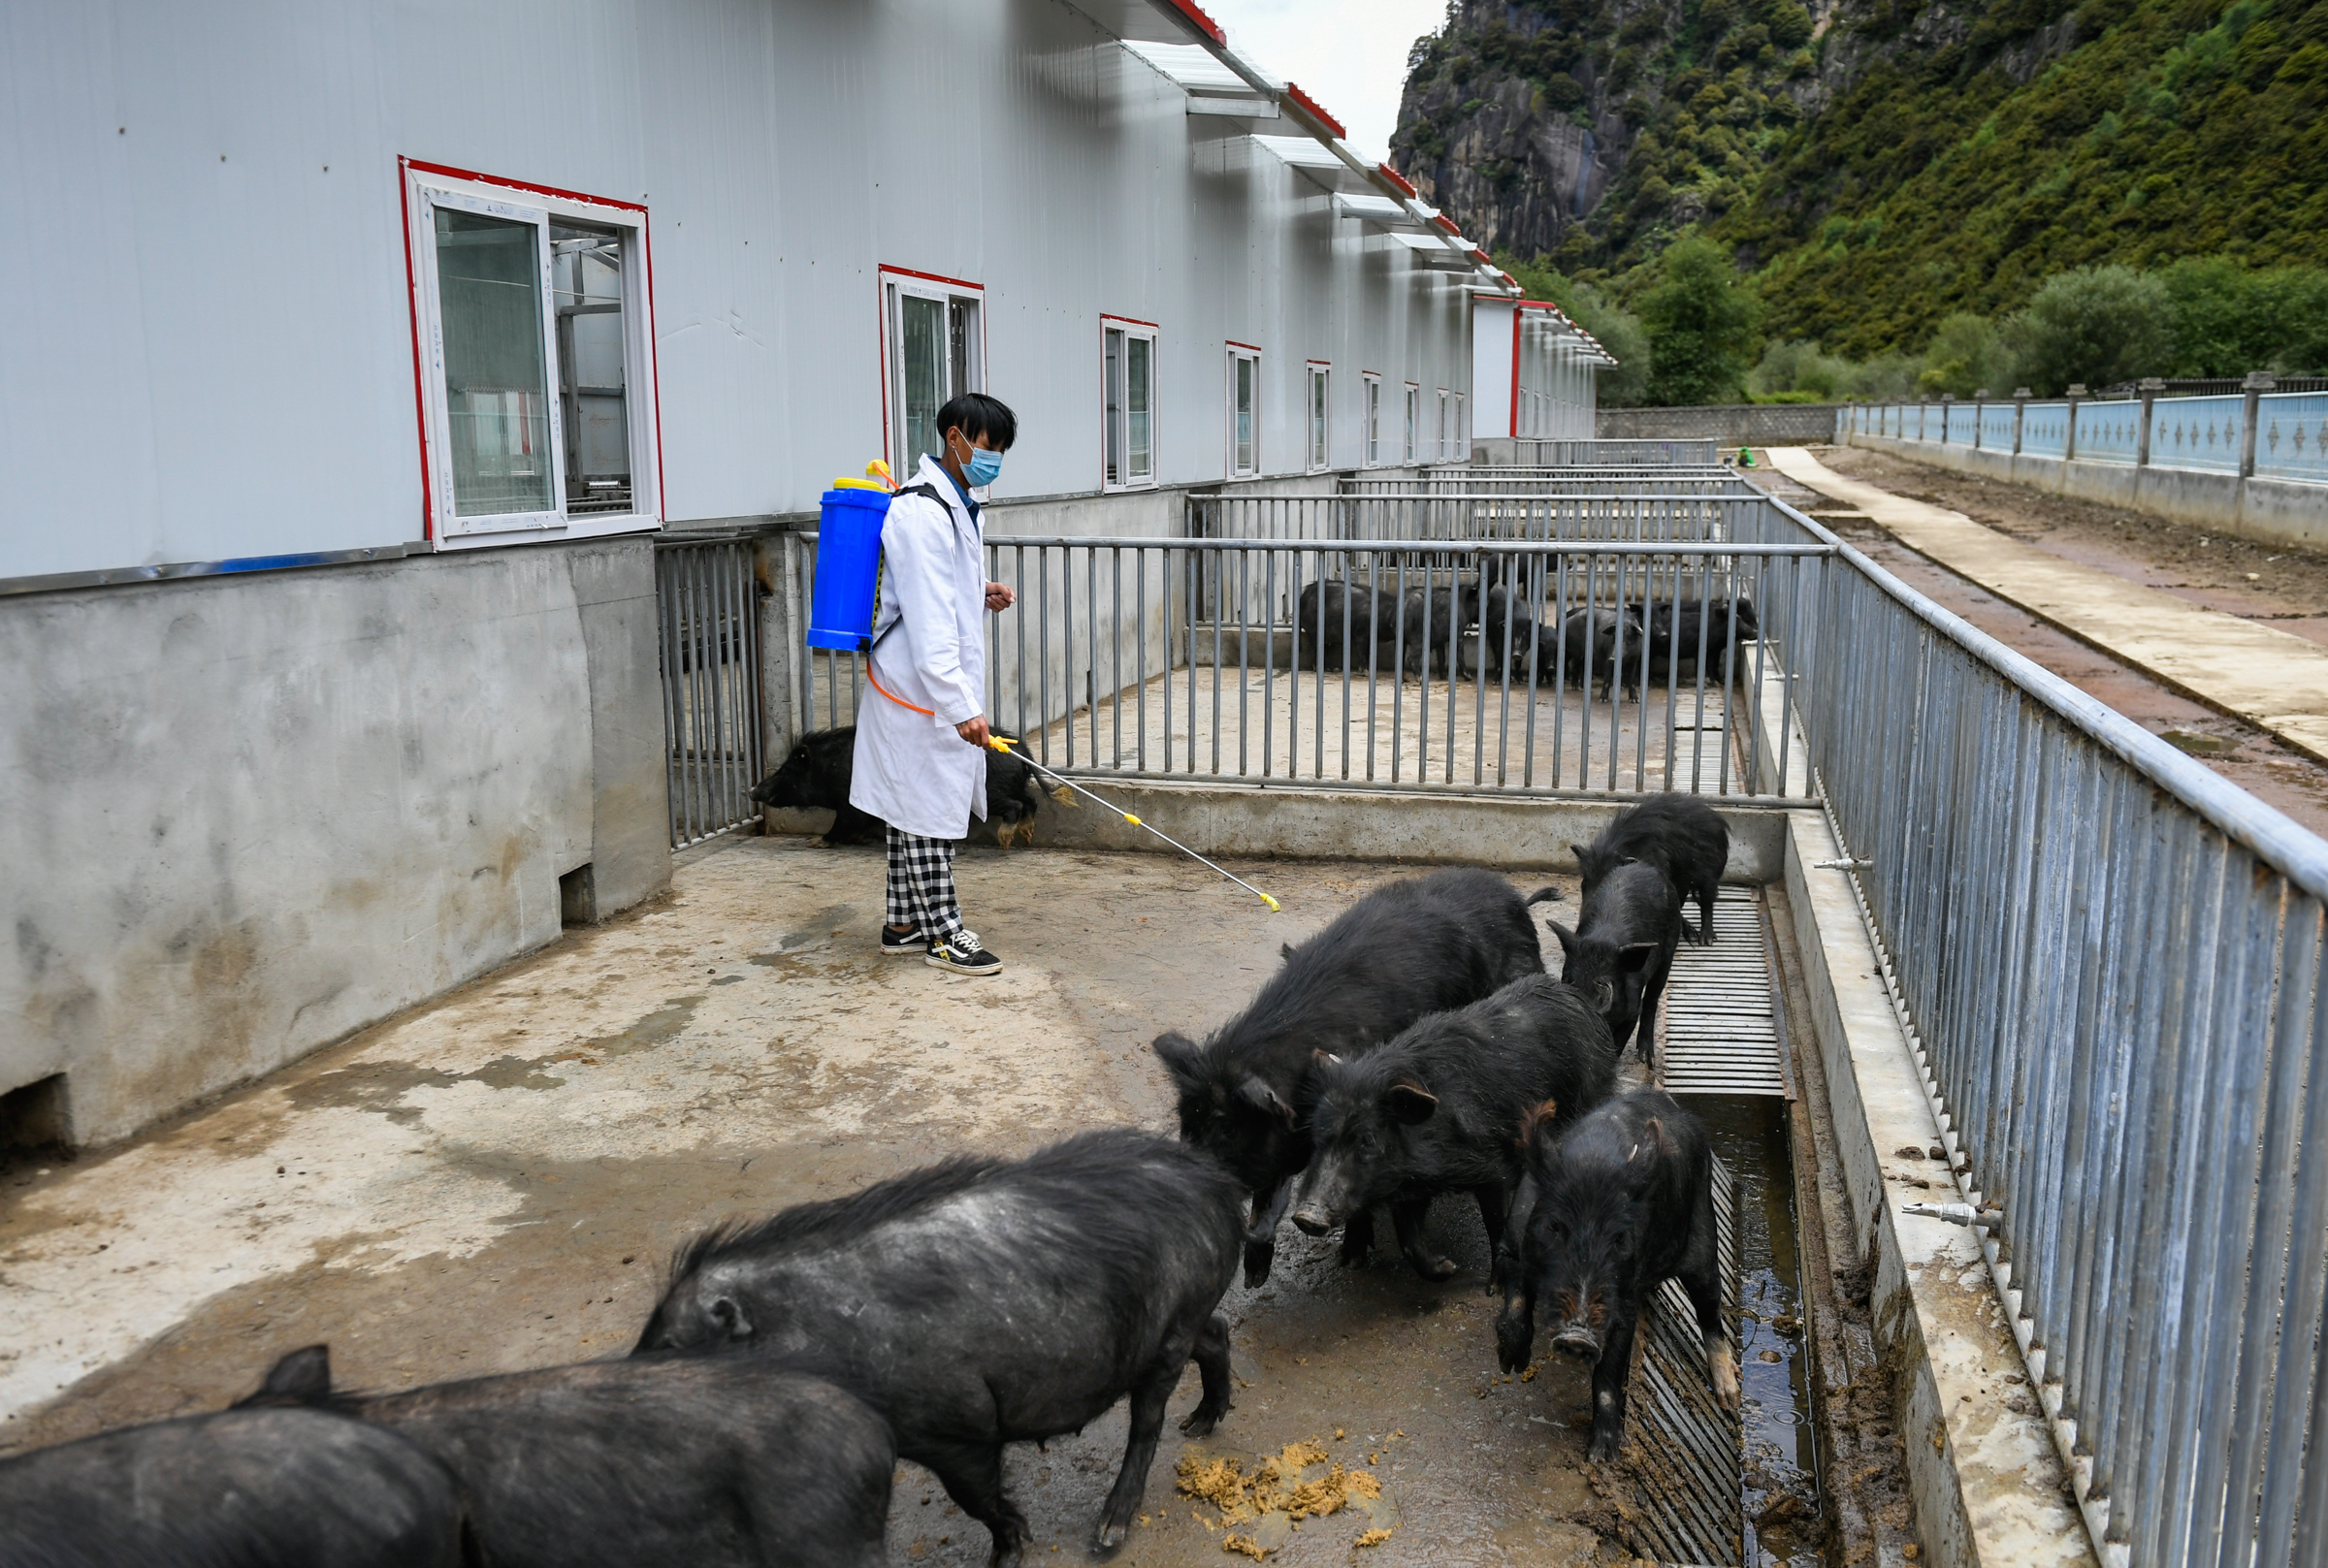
911	769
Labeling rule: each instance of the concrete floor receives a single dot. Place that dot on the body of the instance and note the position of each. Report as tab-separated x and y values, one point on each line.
494	1180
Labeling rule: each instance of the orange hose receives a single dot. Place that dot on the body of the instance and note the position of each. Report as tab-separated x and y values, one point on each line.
891	695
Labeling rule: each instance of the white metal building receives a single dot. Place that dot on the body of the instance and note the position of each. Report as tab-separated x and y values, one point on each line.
318	310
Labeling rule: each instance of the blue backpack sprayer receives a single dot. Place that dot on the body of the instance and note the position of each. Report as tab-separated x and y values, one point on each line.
846	601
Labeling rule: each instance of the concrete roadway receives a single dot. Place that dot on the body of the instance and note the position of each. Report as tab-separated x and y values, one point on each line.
2269	678
494	1180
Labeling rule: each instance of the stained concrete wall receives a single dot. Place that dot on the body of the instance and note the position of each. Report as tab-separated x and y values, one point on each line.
2275	511
246	814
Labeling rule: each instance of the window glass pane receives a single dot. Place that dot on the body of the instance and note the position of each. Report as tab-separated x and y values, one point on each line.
1373	422
921	375
496	394
1318	419
962	347
1455	435
1114	341
1412	396
1245	369
586	284
1140	458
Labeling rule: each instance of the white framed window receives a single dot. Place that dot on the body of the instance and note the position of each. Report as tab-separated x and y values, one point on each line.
1317	415
935	348
1414	419
1438	448
534	332
1128	381
1462	446
1244	411
1373	418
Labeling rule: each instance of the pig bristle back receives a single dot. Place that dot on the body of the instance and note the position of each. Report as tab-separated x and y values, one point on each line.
806	1223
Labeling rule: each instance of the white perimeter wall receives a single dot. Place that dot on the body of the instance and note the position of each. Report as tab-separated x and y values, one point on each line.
209	353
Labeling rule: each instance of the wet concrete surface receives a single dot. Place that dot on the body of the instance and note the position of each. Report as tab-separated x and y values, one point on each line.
494	1181
2250	758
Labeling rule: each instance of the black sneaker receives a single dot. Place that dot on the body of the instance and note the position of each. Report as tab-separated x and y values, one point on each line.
961	954
897	940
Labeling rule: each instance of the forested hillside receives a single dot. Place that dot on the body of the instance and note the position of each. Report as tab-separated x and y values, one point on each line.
1880	165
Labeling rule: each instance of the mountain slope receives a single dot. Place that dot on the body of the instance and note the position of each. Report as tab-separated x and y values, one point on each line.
1907	159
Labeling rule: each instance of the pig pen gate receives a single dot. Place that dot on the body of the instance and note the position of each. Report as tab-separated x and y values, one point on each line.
2106	957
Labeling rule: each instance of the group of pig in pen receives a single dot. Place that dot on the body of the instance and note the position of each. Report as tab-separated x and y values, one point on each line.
1414	1046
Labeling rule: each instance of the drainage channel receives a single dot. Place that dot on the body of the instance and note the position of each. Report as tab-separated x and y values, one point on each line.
1744	1488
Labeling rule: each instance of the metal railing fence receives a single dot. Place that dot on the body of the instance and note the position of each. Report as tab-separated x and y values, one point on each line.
2109	958
1685	510
707	636
1389	665
1639	452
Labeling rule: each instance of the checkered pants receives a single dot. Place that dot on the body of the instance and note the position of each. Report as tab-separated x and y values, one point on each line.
921	886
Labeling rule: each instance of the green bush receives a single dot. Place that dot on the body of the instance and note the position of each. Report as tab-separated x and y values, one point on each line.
1700	320
1797	371
2099	325
1966	356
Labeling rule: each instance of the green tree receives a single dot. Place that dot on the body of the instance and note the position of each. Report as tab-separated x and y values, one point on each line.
2099	325
1794	371
1700	320
1966	356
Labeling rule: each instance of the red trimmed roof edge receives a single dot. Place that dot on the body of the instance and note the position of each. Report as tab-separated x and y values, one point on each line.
1196	17
1398	180
1313	106
1446	223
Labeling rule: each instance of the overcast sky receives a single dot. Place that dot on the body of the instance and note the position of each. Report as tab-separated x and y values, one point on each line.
1350	55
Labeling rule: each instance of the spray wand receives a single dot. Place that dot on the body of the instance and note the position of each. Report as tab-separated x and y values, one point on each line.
1004	746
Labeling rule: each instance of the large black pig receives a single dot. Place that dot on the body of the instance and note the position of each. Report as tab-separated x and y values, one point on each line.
1414	946
1319	613
1437	1109
1621	949
717	1461
984	1301
1677	833
1670	646
1588	648
1432	621
256	1489
815	774
1605	1212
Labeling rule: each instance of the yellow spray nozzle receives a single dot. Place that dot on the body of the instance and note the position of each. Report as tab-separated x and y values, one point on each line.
1271	902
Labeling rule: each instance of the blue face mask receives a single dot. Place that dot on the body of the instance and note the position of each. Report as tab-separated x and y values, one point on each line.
983	467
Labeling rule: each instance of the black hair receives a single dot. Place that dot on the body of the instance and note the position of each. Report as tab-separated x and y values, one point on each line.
975	414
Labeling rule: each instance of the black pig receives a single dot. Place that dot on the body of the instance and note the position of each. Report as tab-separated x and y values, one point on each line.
1670	644
816	774
256	1489
1416	946
723	1462
1449	611
1681	836
1621	949
1606	1213
1437	1109
1589	647
984	1301
1373	626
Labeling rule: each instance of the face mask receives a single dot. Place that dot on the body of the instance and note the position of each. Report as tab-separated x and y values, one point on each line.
982	468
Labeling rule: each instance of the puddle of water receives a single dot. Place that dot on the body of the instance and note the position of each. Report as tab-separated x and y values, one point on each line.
1782	1462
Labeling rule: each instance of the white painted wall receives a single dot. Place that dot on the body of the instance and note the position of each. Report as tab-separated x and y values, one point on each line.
209	352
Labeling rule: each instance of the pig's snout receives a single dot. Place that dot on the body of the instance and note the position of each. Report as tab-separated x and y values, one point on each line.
1579	1341
1313	1219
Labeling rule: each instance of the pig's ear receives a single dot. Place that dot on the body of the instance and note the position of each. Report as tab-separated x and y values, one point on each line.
1537	1121
1411	1102
1178	1054
1653	1141
1258	1094
728	1313
1580	851
1634	954
1284	949
302	1377
1567	939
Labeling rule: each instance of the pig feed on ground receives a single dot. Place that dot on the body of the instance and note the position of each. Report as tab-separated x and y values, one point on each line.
985	1302
1680	835
1439	1110
1418	945
716	1461
1604	1213
1621	949
255	1488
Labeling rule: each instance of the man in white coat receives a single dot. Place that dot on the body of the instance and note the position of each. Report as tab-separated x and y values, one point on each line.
921	759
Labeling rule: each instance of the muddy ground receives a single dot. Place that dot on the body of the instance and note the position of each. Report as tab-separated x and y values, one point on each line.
2288	588
493	1182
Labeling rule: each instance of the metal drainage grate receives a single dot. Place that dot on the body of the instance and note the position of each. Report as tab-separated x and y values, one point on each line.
1688	1461
1718	1031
